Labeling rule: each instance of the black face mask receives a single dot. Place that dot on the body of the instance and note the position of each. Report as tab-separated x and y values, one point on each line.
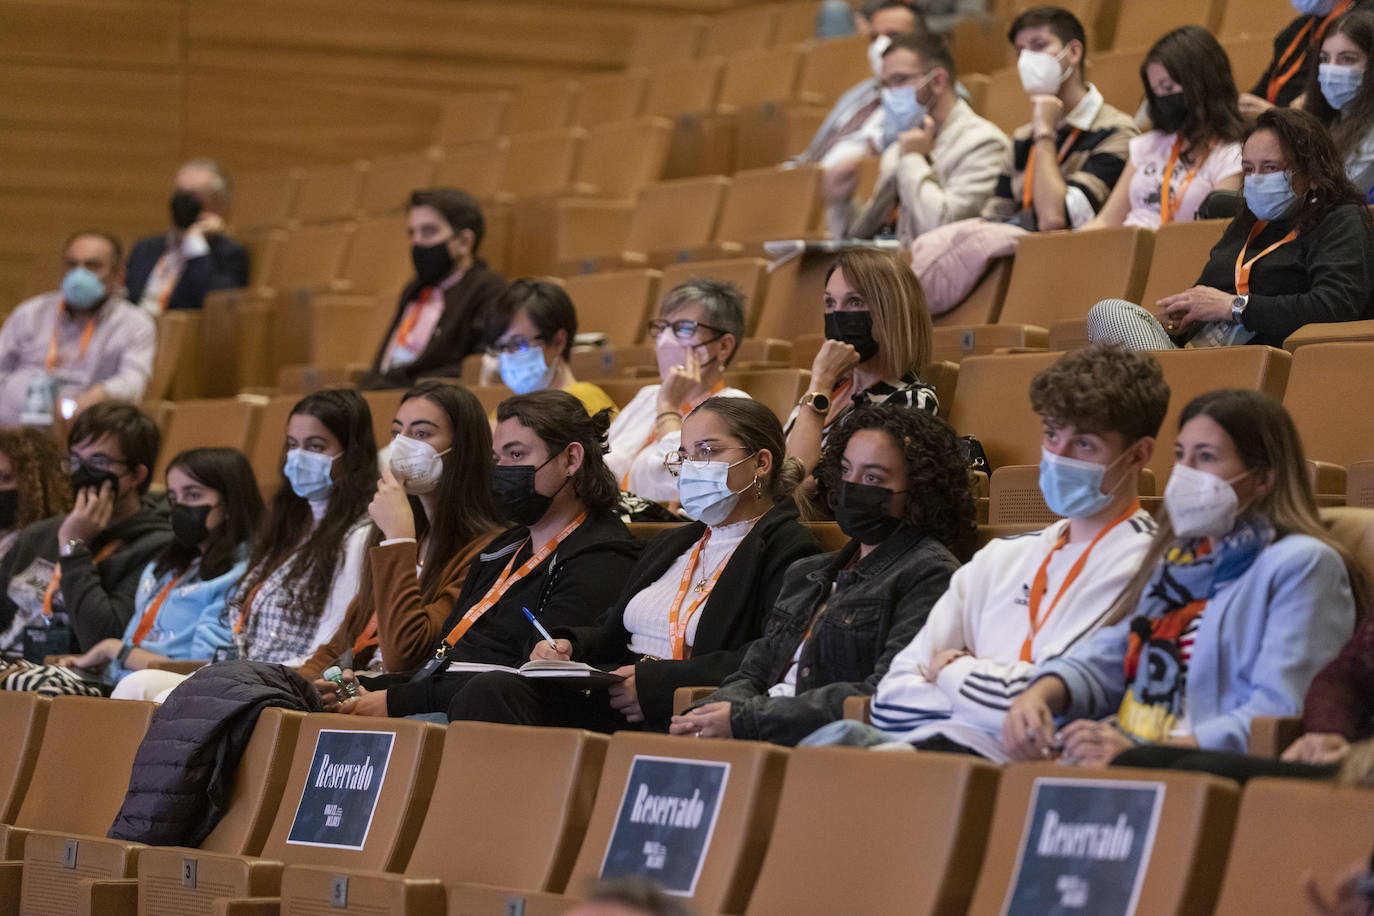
855	329
861	512
84	477
186	209
9	508
513	487
432	262
1167	112
188	525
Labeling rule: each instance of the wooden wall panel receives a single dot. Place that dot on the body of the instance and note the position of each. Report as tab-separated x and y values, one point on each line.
143	33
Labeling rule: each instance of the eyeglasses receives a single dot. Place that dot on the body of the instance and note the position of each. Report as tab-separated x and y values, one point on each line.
98	463
683	328
515	344
701	454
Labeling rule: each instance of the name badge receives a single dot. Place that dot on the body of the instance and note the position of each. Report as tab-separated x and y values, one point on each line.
1085	848
26	588
667	817
347	772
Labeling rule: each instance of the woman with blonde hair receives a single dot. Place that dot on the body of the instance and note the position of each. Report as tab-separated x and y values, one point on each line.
1242	598
877	331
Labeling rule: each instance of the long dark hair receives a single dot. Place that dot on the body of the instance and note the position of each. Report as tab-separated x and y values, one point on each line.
757	428
228	473
287	528
464	493
1197	62
559	419
1350	126
1311	153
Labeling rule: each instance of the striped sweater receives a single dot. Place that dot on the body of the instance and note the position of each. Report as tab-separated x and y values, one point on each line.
985	612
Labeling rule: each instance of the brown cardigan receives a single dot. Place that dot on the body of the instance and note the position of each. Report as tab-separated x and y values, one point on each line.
406	627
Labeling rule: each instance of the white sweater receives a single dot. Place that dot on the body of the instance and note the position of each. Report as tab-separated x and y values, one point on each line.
985	612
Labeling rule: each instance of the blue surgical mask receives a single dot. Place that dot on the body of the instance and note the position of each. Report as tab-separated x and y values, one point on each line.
309	473
82	289
1073	488
525	370
1314	7
704	491
1339	84
1269	196
901	111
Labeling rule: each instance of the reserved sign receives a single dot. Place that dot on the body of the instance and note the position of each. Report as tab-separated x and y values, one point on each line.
347	771
1085	848
667	817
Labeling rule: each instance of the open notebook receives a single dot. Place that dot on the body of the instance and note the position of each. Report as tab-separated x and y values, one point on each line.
574	674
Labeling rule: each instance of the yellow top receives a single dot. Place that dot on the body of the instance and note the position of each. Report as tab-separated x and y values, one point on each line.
592	398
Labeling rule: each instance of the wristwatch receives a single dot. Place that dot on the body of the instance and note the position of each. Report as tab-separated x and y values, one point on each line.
124	651
818	401
1238	305
71	547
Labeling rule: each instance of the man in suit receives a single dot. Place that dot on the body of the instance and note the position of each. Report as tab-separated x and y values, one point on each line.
441	315
176	269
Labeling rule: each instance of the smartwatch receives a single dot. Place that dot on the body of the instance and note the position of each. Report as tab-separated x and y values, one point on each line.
818	401
1238	305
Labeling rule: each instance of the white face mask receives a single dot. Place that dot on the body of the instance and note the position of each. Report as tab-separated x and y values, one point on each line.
1201	505
876	47
417	465
1041	73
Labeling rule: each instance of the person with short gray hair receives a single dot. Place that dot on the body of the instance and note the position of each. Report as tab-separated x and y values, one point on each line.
194	257
696	334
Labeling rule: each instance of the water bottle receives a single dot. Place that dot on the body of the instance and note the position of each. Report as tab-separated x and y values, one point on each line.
348	690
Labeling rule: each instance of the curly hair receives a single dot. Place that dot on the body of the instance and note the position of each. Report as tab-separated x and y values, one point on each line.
37	462
939	500
1103	388
1311	153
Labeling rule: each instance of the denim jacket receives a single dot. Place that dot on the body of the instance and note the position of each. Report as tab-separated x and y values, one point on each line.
878	606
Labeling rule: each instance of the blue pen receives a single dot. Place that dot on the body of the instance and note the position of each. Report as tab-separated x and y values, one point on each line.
540	627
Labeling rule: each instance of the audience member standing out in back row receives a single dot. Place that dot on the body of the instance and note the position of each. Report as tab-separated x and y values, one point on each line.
940	160
1302	252
1061	168
32	483
696	335
71	580
1194	148
442	313
531	329
1344	96
65	350
194	257
877	344
1286	80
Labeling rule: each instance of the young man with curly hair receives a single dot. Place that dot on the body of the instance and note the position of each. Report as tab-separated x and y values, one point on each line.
1023	600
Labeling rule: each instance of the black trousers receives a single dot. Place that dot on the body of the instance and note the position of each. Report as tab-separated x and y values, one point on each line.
496	696
1239	767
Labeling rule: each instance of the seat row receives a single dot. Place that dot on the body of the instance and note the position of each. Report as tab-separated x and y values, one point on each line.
331	813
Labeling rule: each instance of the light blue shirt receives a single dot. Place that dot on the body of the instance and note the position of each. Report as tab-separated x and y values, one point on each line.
192	620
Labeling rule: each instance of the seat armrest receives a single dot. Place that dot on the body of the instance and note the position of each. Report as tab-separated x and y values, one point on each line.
857	708
247	906
1326	478
107	896
1271	735
685	697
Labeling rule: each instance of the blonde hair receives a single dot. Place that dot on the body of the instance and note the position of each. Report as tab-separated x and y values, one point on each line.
901	321
1267	441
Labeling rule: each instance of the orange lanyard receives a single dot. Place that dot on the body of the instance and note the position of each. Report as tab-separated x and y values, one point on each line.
368	637
1166	202
1038	584
150	615
1243	266
1278	80
1028	185
56	578
684	409
86	334
412	316
167	276
503	585
677	628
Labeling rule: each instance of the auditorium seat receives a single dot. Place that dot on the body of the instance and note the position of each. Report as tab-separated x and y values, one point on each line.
525	795
1186	855
1249	53
876	833
176	880
611	98
472	116
778	389
228	422
1286	828
684	88
490	396
669	220
310	258
663	40
1139	24
383	404
1359	484
1180	253
943	376
23	717
1330	332
237	342
1107	263
833	67
620	157
703	142
993	404
267	450
68	874
980	47
763	205
541	162
1116	73
378	258
329	192
954	342
1005	103
1335	424
983	304
796	22
736	844
741	29
545	104
749	275
755	77
616	303
1256	17
477	167
178	352
264	199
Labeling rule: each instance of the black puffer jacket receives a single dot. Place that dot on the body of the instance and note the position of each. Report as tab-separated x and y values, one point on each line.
184	769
